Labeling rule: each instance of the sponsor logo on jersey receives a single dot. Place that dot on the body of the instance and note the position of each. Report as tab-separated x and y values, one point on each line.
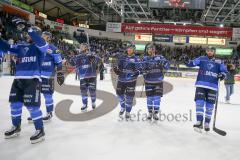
46	64
28	59
49	51
85	66
212	74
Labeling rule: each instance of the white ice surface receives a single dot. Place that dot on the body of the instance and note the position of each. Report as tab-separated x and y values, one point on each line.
107	138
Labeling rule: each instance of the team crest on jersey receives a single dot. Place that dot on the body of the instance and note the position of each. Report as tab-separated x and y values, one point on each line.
210	66
26	49
131	60
157	58
49	51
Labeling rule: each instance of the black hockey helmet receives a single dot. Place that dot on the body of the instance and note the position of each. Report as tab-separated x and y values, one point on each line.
131	45
211	48
149	46
49	34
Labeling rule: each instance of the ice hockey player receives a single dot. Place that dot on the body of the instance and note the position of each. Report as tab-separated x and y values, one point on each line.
25	88
154	65
52	61
87	64
127	67
210	71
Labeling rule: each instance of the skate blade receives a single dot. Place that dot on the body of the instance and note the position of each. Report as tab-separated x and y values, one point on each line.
198	130
84	110
149	120
128	119
155	120
206	132
121	116
30	121
47	121
37	140
12	136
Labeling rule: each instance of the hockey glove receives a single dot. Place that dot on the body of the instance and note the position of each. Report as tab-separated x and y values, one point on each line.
184	59
60	78
92	59
221	76
117	71
161	64
21	24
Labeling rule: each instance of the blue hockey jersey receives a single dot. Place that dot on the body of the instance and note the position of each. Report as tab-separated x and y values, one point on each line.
86	64
1	56
29	56
154	67
51	60
208	72
130	67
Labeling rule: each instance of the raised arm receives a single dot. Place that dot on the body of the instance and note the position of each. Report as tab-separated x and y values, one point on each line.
163	62
193	63
5	47
38	40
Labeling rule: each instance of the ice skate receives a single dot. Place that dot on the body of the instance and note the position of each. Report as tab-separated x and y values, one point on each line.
13	132
155	116
48	117
150	116
30	120
198	126
84	108
206	127
127	116
122	111
38	136
93	106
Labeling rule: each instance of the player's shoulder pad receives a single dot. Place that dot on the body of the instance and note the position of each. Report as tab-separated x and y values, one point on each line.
145	58
219	61
15	45
159	57
202	58
122	56
137	58
53	47
80	55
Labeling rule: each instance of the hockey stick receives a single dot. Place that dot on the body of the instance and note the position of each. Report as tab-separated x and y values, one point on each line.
215	129
142	88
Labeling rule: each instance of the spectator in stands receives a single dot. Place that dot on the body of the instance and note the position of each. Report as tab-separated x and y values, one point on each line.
230	81
12	66
101	69
2	32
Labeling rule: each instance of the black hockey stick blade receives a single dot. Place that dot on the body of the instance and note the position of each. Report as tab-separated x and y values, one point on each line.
219	131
